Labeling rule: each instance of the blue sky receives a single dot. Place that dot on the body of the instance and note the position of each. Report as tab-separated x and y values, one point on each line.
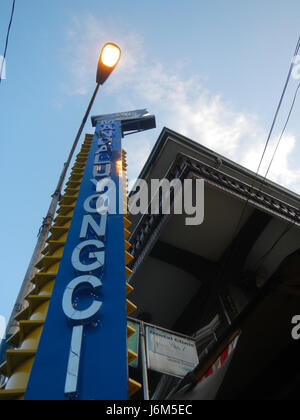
213	71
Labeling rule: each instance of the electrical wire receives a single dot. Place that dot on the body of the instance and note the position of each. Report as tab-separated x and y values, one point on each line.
227	261
271	131
290	227
281	135
7	38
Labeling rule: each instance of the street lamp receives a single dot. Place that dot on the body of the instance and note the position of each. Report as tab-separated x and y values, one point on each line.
109	58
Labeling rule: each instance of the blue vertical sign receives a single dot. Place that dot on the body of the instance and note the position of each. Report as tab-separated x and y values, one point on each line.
83	348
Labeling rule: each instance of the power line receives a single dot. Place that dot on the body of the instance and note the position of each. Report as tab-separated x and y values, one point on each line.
7	38
227	261
271	130
281	135
291	226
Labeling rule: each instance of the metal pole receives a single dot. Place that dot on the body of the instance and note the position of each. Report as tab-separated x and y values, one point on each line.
44	231
144	363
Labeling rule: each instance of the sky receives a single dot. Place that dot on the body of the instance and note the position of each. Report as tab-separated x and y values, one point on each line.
213	71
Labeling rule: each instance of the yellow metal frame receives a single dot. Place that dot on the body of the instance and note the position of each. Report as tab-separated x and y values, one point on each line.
19	361
133	385
25	341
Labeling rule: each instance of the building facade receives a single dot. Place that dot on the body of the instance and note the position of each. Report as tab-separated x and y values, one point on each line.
240	266
230	283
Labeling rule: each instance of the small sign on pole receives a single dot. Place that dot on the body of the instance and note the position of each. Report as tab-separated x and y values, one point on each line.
169	353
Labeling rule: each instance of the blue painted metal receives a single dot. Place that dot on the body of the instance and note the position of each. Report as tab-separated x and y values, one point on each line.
103	365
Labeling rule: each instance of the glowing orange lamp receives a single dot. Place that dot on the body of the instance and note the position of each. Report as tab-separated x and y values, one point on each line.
109	58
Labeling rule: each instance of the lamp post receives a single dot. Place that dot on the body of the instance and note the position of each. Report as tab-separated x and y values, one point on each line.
109	58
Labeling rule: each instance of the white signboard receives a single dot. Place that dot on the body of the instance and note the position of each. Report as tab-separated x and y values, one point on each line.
170	354
128	115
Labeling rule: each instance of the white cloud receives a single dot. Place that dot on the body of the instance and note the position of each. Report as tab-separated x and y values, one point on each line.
85	38
183	105
281	170
2	327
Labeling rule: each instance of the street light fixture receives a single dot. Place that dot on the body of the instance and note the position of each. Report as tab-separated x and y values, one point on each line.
109	58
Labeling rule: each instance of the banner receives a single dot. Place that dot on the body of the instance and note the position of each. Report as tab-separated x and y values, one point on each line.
169	353
209	385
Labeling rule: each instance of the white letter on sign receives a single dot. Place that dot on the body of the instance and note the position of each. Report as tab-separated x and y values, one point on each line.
68	308
99	256
98	229
76	317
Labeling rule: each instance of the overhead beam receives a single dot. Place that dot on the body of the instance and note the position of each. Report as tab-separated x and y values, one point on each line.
194	264
233	259
205	303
